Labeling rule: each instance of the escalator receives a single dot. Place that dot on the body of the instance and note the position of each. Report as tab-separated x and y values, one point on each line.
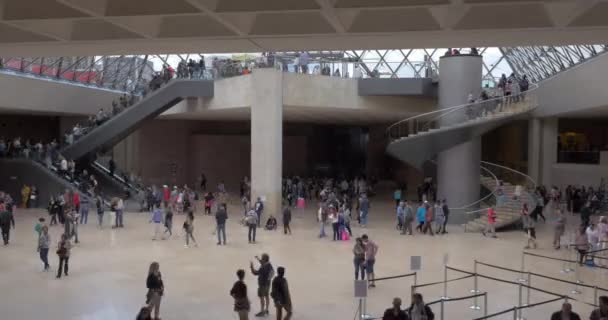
120	126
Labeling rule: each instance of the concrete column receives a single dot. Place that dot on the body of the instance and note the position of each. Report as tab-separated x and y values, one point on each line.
534	148
548	156
458	167
267	138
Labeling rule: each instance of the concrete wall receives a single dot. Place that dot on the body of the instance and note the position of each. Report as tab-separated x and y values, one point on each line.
27	94
579	88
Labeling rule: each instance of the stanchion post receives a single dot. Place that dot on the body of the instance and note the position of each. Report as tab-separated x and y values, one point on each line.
528	288
576	274
441	314
475	290
485	304
415	278
595	294
475	305
445	283
521	274
520	302
514	313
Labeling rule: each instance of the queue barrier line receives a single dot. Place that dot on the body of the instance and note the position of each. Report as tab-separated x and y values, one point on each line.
413	274
543	276
457	299
515	309
441	282
560	259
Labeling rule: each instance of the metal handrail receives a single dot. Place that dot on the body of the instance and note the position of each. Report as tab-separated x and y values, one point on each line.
513	171
491	194
438	114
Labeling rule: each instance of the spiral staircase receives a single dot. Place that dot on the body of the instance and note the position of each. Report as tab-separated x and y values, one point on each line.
419	139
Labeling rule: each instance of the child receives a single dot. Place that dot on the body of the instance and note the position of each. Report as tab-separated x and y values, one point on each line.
39	225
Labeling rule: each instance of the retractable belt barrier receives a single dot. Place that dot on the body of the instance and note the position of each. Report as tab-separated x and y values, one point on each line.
413	274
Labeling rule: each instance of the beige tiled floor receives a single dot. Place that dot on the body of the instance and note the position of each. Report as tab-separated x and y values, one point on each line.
108	270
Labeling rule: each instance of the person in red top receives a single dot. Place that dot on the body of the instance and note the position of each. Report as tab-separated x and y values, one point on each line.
166	195
428	220
76	200
491	226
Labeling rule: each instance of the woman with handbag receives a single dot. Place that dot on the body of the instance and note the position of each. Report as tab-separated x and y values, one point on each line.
63	251
156	288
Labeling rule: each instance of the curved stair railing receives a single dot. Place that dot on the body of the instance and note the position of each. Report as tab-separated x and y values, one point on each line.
507	206
464	114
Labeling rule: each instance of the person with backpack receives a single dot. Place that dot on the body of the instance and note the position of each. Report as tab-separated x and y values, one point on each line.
265	274
251	220
63	251
239	294
280	295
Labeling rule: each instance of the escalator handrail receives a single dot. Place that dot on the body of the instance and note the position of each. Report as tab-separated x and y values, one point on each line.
114	176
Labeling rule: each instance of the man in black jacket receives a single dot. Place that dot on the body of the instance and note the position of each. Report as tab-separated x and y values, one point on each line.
6	217
446	213
220	218
565	313
280	295
395	313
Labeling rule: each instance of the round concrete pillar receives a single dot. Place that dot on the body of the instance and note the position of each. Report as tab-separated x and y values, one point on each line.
458	167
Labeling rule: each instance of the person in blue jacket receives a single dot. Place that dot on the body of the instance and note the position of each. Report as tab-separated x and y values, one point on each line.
420	216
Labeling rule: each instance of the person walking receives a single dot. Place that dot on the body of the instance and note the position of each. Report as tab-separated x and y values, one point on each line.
286	220
428	220
99	204
529	227
401	217
84	209
157	217
420	217
220	219
252	224
446	214
371	249
239	294
395	313
209	198
439	217
264	274
120	207
189	229
156	288
322	218
72	217
63	251
44	242
408	218
168	223
6	218
491	226
259	208
280	295
359	258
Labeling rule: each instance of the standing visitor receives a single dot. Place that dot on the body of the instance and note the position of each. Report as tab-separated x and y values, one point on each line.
600	313
252	224
120	207
418	310
333	217
559	229
286	220
168	223
63	251
220	219
157	217
565	313
259	208
428	219
44	242
581	243
322	218
491	226
280	295
371	249
395	313
208	202
239	294
359	258
189	229
73	220
363	209
156	288
401	217
264	274
439	217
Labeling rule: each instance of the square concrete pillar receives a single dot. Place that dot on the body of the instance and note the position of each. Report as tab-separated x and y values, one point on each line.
549	150
267	139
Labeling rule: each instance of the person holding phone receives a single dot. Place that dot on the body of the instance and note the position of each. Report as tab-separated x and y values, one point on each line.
265	274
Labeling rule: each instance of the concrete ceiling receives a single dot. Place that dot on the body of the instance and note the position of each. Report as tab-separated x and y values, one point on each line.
87	27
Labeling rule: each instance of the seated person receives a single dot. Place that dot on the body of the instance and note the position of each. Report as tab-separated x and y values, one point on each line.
271	223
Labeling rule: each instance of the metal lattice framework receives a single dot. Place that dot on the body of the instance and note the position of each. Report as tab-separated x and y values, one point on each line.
542	62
